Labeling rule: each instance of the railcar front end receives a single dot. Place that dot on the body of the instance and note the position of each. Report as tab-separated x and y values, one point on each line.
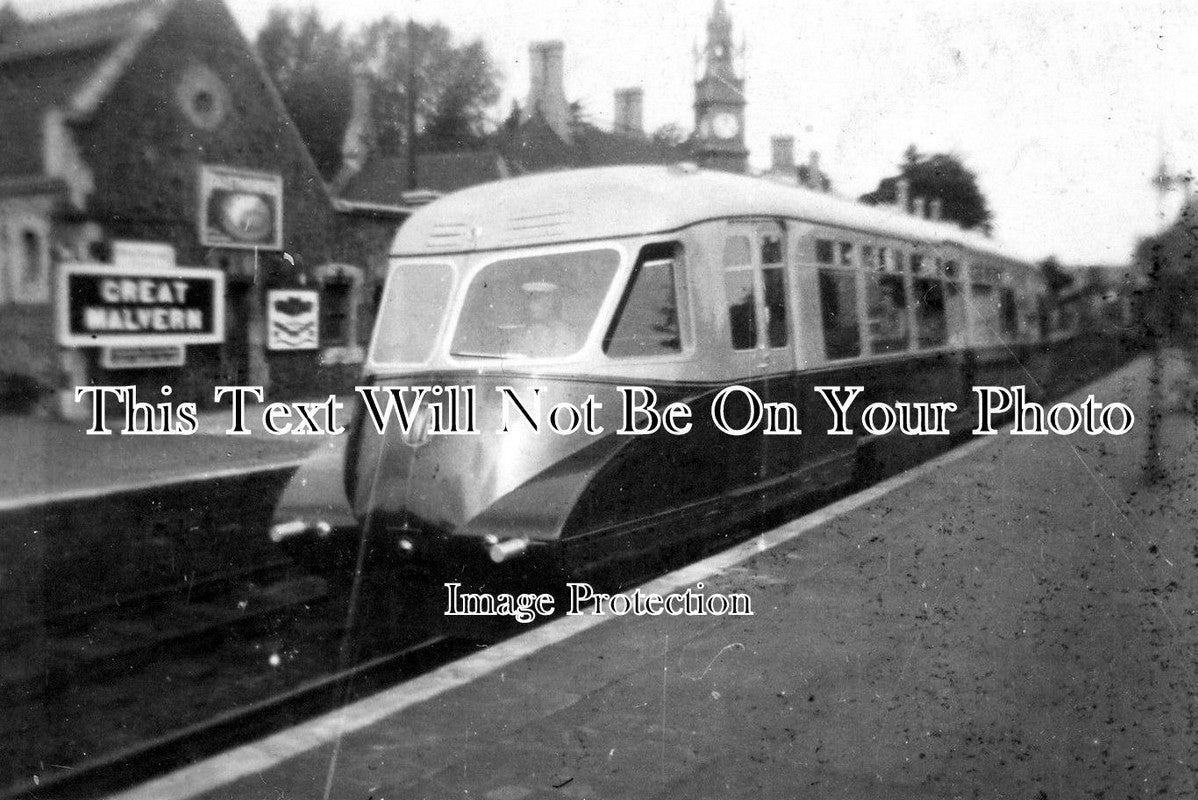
490	407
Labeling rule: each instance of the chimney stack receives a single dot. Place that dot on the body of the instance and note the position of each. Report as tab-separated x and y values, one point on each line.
936	209
811	175
902	188
920	207
359	132
546	91
782	155
629	111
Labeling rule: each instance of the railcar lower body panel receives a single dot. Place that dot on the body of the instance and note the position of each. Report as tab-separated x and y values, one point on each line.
513	491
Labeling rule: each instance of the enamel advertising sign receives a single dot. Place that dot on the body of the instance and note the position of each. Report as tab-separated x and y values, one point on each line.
241	208
292	318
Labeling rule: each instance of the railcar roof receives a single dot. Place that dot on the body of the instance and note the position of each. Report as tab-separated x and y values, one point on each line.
609	202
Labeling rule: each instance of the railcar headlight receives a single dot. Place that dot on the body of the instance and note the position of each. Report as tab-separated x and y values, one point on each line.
509	548
285	530
298	527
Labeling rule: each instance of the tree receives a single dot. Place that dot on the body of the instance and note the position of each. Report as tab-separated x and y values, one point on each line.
1168	299
313	70
943	176
670	134
1168	313
1055	276
456	86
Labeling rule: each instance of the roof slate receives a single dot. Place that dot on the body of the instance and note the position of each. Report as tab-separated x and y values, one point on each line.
535	147
28	88
44	62
72	32
384	179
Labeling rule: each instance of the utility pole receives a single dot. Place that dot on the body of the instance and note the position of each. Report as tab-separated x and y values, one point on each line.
1154	468
411	93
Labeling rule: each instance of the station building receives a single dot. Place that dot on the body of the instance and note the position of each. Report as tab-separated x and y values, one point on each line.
147	134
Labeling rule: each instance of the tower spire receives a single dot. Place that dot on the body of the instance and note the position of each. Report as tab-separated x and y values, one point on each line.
719	140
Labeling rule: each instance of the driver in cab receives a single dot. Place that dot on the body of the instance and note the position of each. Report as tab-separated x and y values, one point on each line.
545	334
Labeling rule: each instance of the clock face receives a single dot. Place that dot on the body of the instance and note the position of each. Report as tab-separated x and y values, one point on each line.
725	125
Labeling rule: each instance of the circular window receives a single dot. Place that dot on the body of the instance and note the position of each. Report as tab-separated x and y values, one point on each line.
202	96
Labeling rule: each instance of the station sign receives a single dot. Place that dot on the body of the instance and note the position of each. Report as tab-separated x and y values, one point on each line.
100	305
145	357
142	255
240	208
292	319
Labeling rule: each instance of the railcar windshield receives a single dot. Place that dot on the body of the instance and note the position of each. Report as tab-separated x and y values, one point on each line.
411	313
540	306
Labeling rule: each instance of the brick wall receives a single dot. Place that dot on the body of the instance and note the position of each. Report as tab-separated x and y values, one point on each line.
145	153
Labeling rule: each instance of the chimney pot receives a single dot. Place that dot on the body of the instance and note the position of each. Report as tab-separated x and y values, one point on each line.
357	141
902	188
629	111
782	149
920	207
936	209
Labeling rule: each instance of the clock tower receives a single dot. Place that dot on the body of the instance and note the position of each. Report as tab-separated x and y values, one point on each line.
719	140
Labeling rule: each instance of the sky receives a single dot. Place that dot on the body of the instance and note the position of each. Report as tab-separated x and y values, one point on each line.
1063	109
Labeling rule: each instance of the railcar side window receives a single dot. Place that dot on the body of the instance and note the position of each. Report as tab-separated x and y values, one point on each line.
886	304
885	262
1043	315
773	278
838	309
646	323
410	315
539	306
955	316
741	292
930	313
1010	313
823	251
987	313
846	254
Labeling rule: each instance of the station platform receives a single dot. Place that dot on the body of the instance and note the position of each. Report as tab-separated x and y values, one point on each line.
49	460
1014	619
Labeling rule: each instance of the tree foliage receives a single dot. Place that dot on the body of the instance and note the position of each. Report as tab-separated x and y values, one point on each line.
939	175
1055	276
313	66
456	86
1168	264
671	134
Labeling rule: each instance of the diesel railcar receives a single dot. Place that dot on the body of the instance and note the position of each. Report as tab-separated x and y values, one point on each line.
559	288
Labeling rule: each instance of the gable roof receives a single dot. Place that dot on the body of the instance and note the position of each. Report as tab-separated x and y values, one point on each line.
66	62
383	180
70	32
534	146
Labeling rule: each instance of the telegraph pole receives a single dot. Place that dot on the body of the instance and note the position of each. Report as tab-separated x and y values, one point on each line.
411	93
1154	469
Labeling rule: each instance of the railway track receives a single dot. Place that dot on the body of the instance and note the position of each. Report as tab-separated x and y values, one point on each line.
114	636
177	689
124	767
223	647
